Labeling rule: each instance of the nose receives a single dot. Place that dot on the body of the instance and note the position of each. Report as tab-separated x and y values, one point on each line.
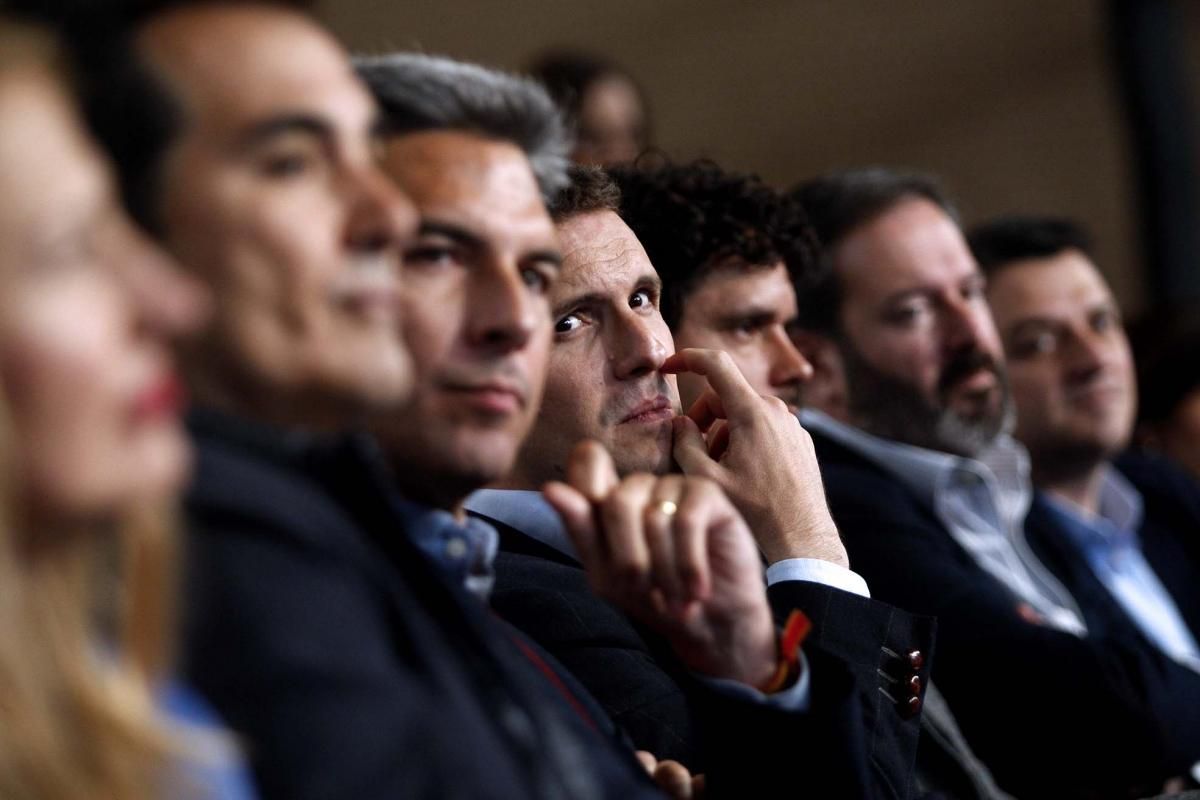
787	366
380	215
636	345
965	324
1086	354
167	300
503	310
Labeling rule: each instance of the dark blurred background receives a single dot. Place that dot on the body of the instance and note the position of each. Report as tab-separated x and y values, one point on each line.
1017	104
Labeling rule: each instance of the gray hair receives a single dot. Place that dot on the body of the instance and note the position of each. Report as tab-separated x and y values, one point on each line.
419	92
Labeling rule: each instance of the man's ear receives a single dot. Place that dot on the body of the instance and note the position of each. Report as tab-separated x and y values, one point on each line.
826	389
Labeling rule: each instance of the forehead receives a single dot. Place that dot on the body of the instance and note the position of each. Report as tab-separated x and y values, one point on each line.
739	287
1056	286
51	173
600	254
467	175
232	65
913	245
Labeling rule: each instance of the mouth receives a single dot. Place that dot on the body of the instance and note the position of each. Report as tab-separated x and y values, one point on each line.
162	398
1097	394
497	398
655	409
369	286
980	381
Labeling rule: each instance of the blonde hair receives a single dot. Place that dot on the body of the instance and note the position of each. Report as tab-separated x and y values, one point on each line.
77	715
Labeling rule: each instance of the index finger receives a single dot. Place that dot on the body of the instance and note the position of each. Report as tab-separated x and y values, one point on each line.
735	392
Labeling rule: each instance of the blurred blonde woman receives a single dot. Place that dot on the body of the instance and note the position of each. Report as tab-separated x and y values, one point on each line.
91	454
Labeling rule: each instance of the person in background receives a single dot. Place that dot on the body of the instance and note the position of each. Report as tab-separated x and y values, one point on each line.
931	493
92	456
603	104
730	251
1115	527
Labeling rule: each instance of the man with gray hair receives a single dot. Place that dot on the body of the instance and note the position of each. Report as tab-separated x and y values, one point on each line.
910	416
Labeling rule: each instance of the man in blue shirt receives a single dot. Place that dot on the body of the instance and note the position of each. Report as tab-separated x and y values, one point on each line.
1072	378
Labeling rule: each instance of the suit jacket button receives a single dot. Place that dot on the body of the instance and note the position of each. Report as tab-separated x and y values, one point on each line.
910	708
916	660
914	685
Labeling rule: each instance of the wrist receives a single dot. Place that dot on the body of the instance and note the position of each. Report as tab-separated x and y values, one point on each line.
788	666
826	546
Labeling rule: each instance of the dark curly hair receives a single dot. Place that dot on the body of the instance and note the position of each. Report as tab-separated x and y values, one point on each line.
696	219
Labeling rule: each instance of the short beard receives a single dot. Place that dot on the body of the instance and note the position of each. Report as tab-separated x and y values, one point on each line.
892	409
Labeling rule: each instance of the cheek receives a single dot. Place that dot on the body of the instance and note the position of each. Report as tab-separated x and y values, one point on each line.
429	326
573	396
912	358
71	421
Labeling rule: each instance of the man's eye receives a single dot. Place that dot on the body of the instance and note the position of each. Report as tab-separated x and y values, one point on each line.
976	290
535	279
1039	344
567	324
1104	320
746	328
907	314
640	299
430	256
286	165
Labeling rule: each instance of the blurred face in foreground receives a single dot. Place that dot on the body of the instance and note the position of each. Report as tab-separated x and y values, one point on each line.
270	193
86	308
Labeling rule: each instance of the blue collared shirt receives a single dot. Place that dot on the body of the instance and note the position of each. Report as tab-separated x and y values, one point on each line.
528	512
465	550
981	502
1109	543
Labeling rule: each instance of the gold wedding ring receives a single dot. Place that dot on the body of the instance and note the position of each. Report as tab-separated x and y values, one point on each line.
668	507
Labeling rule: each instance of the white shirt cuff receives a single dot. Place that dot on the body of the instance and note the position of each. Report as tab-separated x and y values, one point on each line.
795	698
817	571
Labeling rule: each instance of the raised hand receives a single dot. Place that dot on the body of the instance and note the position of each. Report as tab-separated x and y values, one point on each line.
755	449
672	777
673	552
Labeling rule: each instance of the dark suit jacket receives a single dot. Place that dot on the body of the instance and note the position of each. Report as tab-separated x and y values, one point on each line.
1052	714
858	652
350	667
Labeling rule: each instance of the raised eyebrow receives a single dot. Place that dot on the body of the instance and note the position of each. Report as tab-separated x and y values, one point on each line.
287	124
651	280
577	301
